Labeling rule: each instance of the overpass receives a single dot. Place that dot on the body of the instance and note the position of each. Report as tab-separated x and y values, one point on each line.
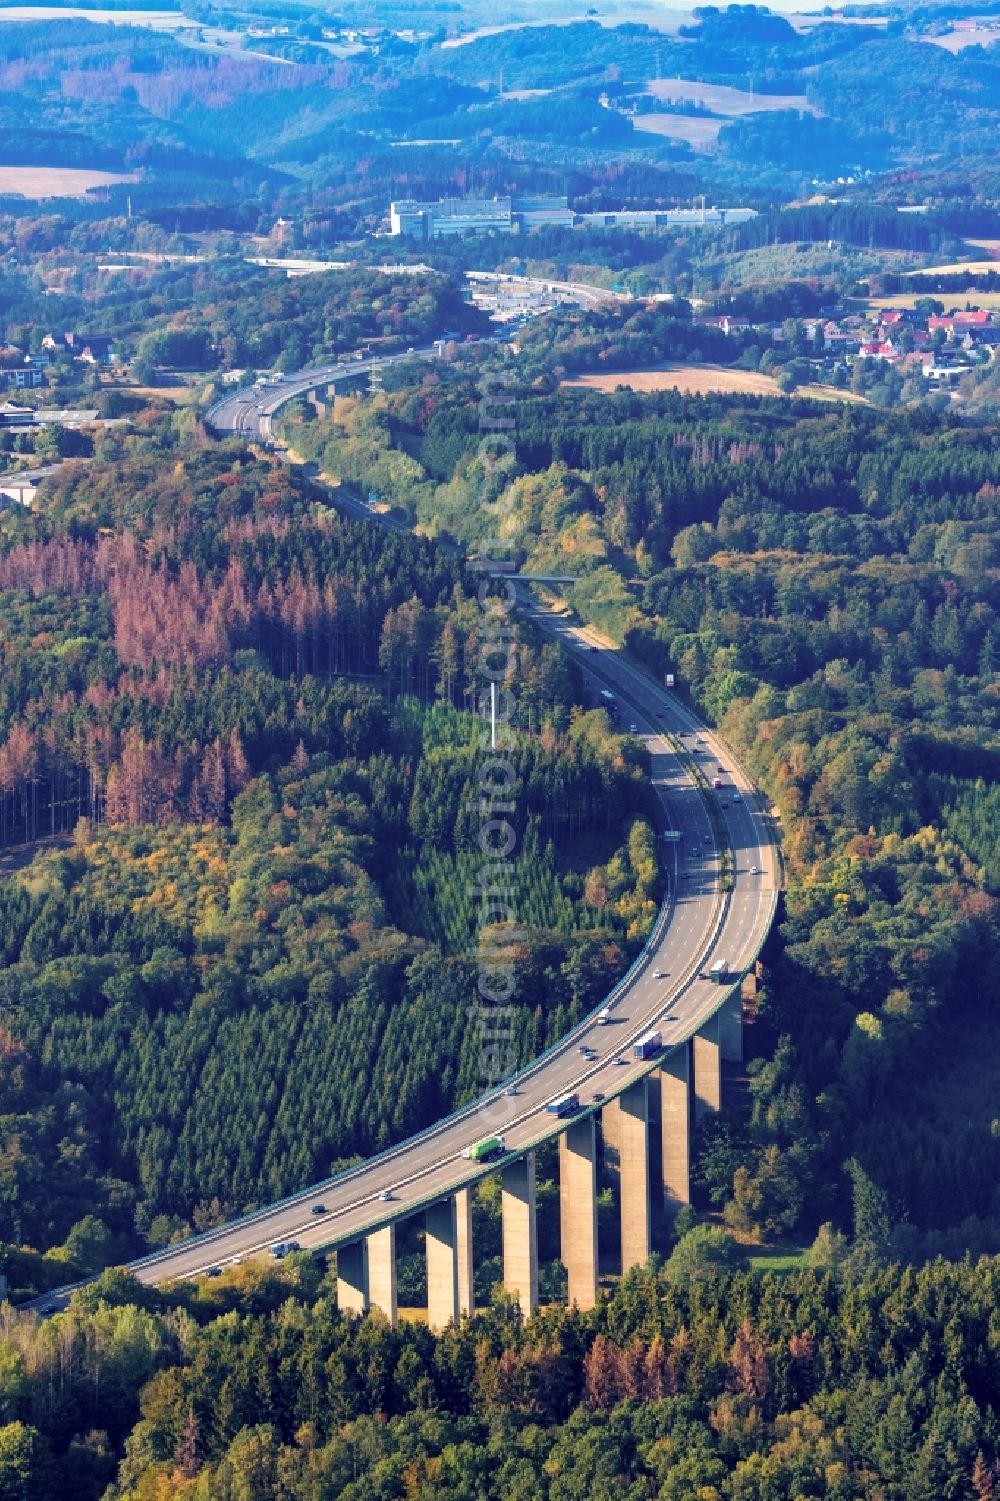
723	878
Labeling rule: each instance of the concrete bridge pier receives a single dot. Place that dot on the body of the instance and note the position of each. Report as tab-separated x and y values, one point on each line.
629	1118
674	1079
578	1210
520	1238
707	1069
352	1277
382	1272
731	1027
463	1221
449	1260
441	1250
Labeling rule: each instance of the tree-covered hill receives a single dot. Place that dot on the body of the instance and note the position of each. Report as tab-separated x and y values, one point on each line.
869	1385
251	961
824	584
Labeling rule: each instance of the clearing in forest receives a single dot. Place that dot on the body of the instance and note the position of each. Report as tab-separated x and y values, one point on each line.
56	182
958	268
702	380
723	99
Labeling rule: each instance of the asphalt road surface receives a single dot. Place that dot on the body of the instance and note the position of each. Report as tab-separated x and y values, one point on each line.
247	412
670	989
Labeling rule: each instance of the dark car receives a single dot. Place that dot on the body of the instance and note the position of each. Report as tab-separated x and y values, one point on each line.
598	1096
318	1209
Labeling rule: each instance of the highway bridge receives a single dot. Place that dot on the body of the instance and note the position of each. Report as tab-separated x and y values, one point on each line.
247	412
723	877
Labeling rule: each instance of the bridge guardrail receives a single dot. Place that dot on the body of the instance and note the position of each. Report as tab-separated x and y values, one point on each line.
471	1108
494	1092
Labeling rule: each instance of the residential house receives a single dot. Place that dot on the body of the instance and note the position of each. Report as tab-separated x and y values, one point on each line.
973	318
726	323
91	349
879	349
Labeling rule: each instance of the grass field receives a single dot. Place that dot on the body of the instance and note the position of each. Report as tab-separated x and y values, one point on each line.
159	20
697	130
989	300
618	15
702	380
956	268
723	99
780	1259
55	182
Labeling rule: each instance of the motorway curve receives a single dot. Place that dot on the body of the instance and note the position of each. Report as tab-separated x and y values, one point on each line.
668	987
247	411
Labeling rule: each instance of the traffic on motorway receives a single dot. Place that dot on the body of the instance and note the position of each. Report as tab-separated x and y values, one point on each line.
671	990
247	412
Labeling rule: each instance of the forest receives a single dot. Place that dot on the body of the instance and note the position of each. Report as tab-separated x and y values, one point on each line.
222	314
838	1382
244	733
240	736
823	583
221	131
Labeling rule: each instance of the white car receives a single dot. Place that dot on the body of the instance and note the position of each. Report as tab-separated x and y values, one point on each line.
659	974
755	870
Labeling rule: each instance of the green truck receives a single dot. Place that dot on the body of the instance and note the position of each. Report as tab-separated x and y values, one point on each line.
481	1151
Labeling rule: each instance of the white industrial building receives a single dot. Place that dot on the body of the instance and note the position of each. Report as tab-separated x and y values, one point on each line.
458	216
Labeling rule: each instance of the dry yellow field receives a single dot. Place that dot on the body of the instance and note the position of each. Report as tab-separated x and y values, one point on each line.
957	41
701	380
56	182
951	300
697	130
955	268
159	20
721	98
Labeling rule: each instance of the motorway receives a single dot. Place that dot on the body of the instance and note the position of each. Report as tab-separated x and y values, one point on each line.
247	412
669	986
580	293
